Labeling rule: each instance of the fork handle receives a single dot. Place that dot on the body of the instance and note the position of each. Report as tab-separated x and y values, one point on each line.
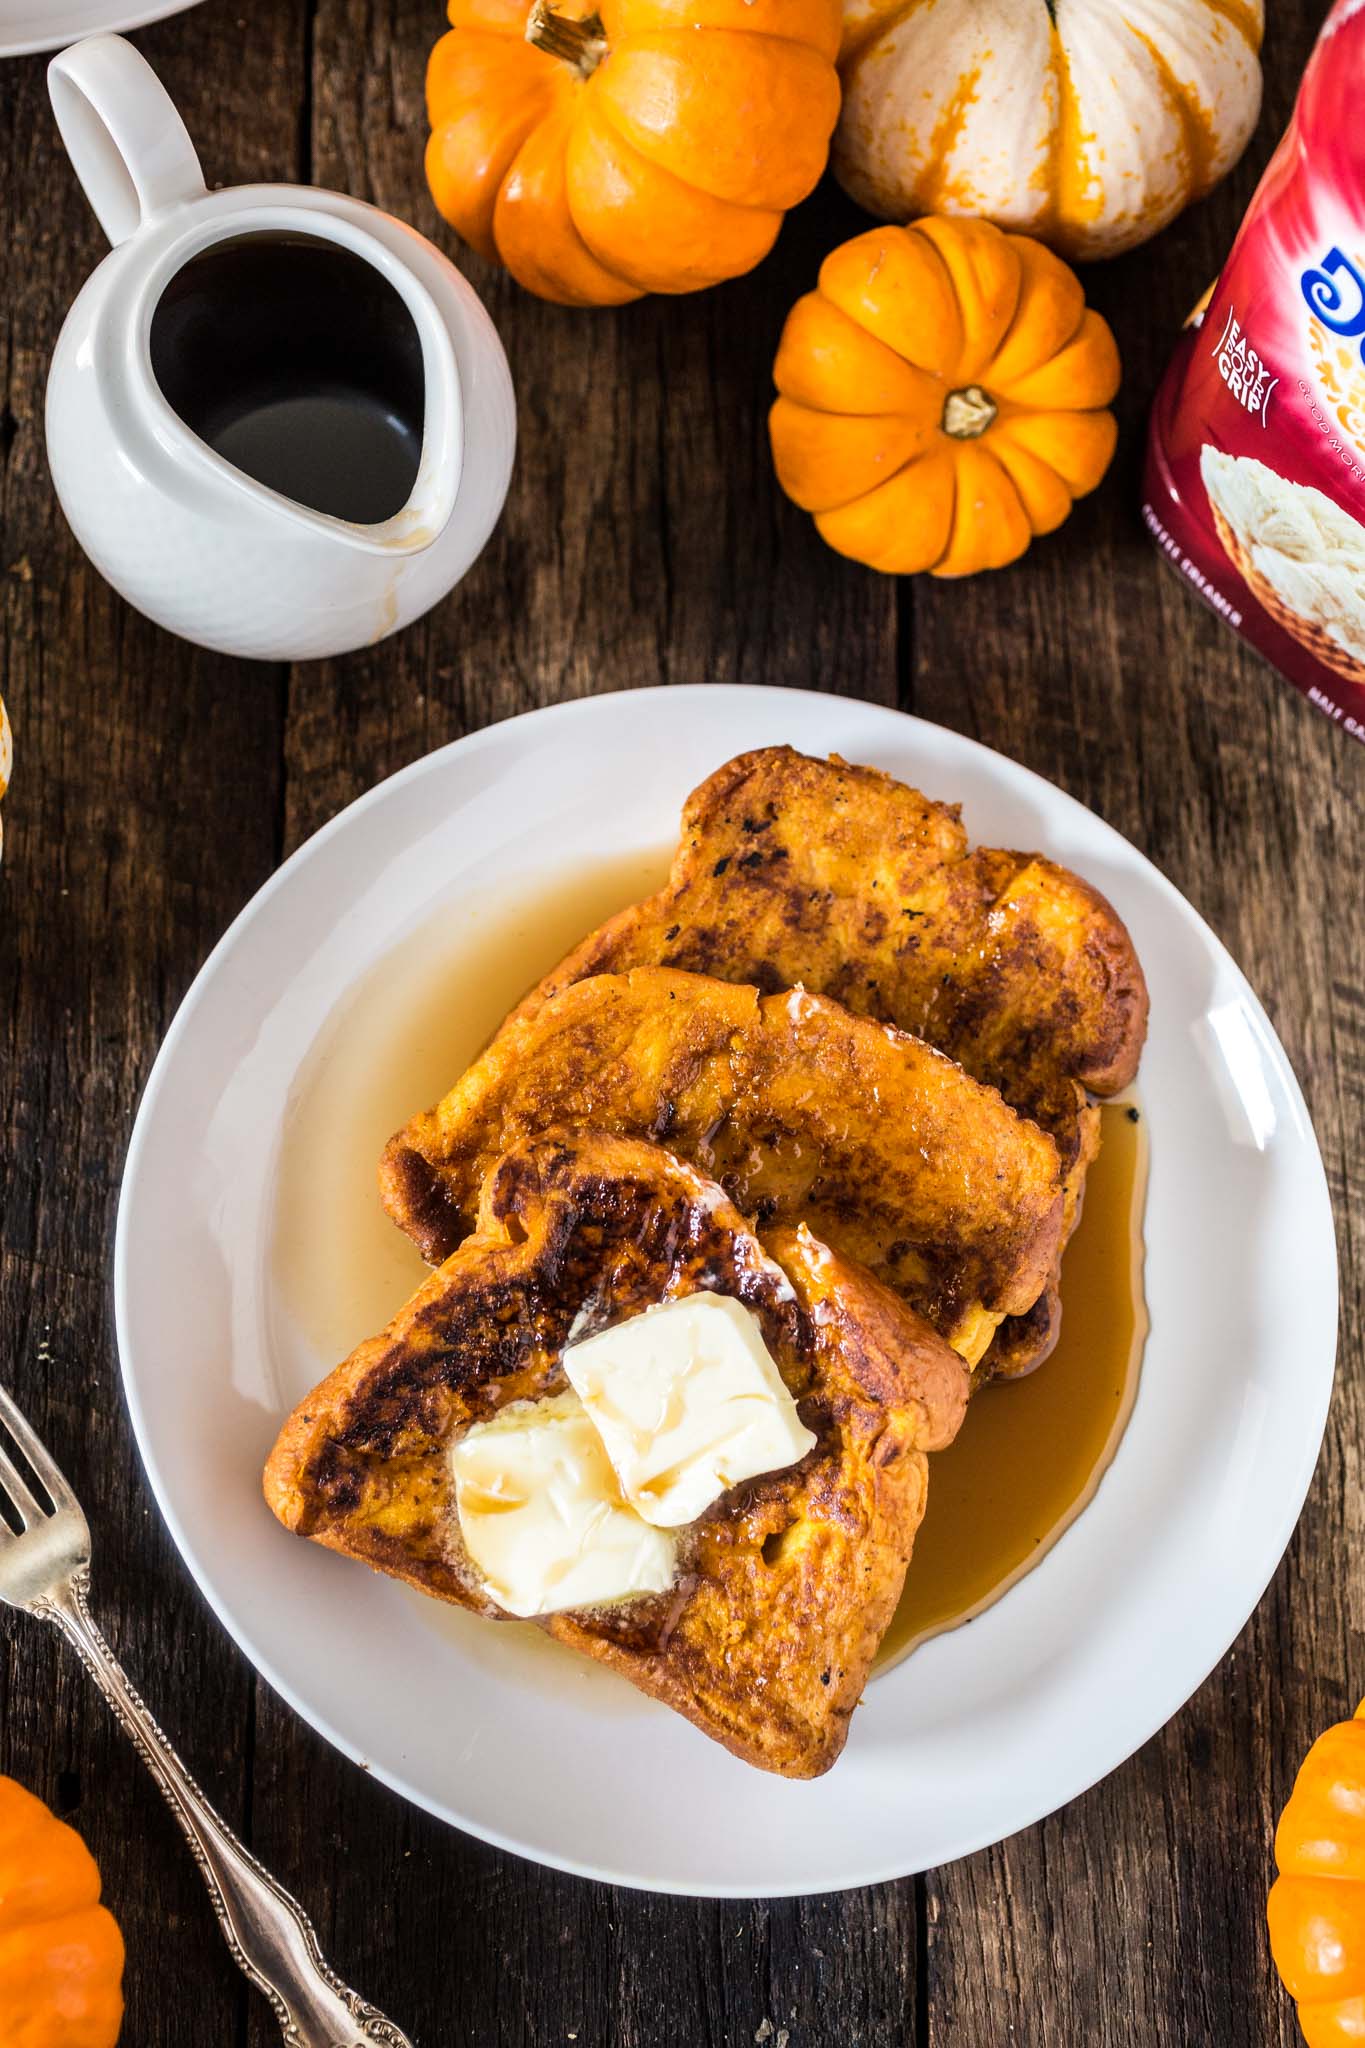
268	1933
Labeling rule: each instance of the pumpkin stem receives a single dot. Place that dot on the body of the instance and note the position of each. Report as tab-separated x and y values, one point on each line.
582	43
968	413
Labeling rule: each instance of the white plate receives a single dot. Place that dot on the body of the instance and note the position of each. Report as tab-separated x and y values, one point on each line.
28	25
979	1733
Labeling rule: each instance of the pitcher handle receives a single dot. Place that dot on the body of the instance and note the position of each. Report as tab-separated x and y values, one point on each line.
127	143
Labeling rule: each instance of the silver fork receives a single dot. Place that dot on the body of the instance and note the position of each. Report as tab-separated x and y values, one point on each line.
46	1571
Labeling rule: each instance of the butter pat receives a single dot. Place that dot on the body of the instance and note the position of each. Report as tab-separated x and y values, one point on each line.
688	1402
542	1515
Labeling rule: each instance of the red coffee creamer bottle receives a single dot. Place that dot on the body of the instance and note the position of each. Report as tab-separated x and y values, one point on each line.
1255	483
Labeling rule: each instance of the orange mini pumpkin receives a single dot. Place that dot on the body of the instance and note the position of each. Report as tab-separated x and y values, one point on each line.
61	1954
944	397
652	148
1316	1907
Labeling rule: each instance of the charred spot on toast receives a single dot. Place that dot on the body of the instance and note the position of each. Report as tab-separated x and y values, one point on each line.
435	1225
1023	1343
608	1246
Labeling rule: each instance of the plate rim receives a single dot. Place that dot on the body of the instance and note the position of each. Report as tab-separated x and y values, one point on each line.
140	17
1293	1495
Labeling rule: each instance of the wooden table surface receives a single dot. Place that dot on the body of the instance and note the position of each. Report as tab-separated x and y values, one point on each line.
644	540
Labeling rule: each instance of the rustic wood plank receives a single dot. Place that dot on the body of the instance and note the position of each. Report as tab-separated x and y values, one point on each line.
143	813
644	540
1138	1913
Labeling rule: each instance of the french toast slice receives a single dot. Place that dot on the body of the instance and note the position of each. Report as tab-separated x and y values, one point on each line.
802	1111
788	1582
792	870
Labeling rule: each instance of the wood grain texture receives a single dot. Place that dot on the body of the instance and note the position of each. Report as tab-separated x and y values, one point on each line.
1131	1916
144	811
644	541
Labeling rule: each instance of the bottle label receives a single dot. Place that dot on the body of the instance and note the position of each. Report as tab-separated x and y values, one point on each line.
1255	484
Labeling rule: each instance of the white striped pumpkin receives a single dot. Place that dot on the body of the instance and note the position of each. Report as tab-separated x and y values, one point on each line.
1089	123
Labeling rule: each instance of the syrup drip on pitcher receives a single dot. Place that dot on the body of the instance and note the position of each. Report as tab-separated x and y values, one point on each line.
299	364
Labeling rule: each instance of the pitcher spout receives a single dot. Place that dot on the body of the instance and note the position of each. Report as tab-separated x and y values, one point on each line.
429	508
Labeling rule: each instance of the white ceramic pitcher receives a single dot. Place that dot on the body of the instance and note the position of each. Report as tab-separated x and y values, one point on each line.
188	538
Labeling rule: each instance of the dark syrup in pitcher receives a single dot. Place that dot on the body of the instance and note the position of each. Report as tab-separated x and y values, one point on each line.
299	364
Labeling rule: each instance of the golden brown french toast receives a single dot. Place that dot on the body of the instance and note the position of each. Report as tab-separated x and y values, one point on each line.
802	1111
793	871
787	1583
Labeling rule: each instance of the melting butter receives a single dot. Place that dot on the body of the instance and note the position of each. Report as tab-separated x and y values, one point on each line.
542	1516
688	1402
